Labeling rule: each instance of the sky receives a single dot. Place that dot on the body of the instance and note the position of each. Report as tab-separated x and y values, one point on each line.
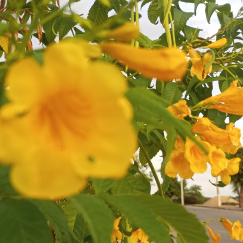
154	32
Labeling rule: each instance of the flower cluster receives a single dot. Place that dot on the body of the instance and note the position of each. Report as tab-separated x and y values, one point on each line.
187	158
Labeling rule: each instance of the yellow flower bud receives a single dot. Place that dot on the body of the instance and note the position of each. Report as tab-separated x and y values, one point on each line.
217	44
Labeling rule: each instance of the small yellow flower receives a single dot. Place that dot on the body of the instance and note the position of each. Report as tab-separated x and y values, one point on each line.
230	101
234	230
195	156
178	163
164	64
216	239
231	169
126	32
228	140
116	234
197	64
179	110
217	44
66	121
139	235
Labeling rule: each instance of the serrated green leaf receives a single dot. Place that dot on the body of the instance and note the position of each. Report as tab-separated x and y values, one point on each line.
196	3
153	104
172	93
6	188
131	184
54	214
21	221
70	212
209	80
98	13
140	81
210	8
65	25
79	228
180	19
217	117
192	82
154	12
223	19
102	185
151	150
145	2
51	28
234	118
97	215
191	33
190	230
140	215
225	9
116	5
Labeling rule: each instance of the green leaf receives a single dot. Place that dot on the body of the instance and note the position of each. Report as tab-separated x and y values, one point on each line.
223	19
225	9
97	216
172	93
151	149
152	104
49	27
131	184
102	185
210	8
188	227
191	33
192	82
145	2
140	81
217	117
54	214
140	215
65	25
209	80
6	188
220	184
21	222
180	19
154	11
79	228
98	13
116	5
233	118
196	3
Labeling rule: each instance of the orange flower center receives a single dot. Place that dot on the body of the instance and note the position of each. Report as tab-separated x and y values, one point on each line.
64	118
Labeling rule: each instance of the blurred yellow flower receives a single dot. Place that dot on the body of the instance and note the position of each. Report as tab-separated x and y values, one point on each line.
116	234
231	169
4	43
179	110
126	32
139	235
230	101
234	230
217	44
216	239
66	121
164	64
197	64
178	163
228	140
195	156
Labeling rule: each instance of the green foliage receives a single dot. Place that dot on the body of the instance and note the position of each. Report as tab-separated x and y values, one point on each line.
21	221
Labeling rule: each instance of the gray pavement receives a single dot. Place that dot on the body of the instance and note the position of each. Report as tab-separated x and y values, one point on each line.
205	214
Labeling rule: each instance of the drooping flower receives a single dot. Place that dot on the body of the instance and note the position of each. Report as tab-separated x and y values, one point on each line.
179	110
217	44
230	101
231	169
116	234
218	161
234	230
164	64
139	235
195	156
228	140
216	239
178	163
197	64
126	32
66	121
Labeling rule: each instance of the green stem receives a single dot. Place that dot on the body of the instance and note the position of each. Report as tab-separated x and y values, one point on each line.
129	240
166	24
137	20
172	29
152	169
